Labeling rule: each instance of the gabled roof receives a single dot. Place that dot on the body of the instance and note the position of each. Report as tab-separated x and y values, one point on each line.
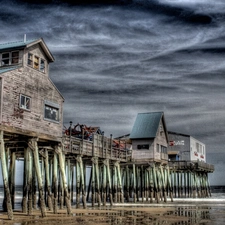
26	44
146	125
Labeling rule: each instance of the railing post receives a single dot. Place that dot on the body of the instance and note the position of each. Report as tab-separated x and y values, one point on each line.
111	146
70	136
103	144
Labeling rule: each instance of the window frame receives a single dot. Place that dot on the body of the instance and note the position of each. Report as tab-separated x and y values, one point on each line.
42	62
9	58
36	62
24	106
30	61
164	149
53	106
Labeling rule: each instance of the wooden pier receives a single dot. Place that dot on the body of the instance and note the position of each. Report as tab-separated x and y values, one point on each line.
114	177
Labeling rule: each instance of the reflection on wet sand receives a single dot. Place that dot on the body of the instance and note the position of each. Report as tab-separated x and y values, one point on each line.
185	215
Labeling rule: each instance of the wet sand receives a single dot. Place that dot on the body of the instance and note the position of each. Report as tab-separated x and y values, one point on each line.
172	213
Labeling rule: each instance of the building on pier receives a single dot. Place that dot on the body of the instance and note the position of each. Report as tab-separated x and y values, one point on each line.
184	147
149	138
30	103
31	118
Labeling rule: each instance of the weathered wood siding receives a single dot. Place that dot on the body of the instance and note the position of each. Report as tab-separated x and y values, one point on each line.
142	153
152	152
36	85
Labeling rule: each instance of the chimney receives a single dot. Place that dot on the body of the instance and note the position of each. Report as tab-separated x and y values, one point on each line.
25	38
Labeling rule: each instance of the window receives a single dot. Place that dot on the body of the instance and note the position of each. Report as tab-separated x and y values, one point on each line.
5	59
42	65
163	149
30	59
36	62
15	57
9	58
143	147
25	102
51	111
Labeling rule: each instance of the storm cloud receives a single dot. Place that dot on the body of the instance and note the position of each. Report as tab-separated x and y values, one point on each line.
120	58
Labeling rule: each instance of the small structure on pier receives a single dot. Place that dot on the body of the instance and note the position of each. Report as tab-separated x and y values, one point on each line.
149	138
185	147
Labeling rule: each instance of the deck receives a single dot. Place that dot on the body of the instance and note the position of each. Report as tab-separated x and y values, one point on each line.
100	146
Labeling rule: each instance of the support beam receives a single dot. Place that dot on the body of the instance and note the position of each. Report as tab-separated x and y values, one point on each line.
47	178
83	187
29	182
5	177
34	147
54	183
58	150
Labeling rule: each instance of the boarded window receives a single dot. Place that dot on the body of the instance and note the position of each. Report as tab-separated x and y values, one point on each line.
51	113
36	62
25	102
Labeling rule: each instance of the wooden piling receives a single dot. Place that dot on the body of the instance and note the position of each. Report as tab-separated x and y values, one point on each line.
82	177
34	147
134	184
93	183
115	184
29	182
54	183
58	149
5	177
25	172
109	182
97	178
47	178
104	182
163	184
170	186
155	183
120	182
151	184
12	177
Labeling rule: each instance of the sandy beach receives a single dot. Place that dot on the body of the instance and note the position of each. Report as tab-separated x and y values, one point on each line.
182	211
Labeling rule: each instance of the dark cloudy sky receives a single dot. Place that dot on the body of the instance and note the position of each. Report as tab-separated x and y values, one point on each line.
120	58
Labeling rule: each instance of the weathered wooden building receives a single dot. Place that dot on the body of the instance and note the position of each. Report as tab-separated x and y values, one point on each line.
149	138
30	103
31	114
